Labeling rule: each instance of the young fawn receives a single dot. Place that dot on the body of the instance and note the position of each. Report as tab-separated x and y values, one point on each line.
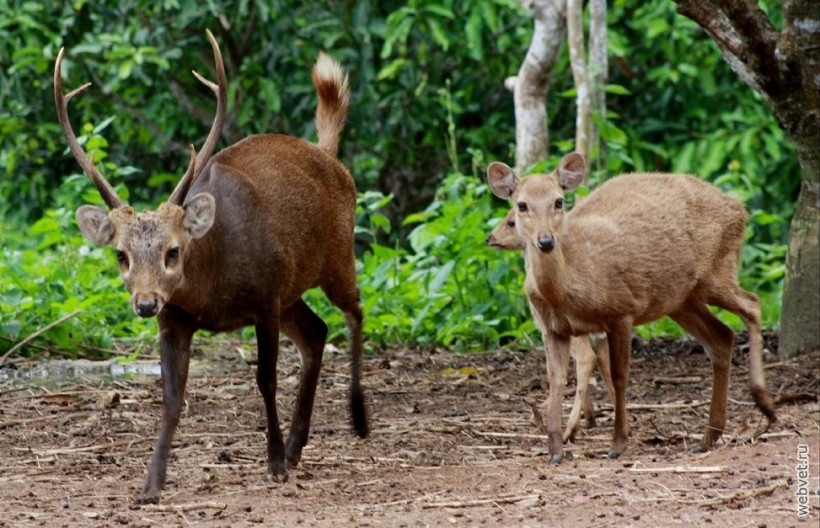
505	236
242	237
639	247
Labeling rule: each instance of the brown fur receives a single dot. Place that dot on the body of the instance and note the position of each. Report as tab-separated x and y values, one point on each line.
639	247
265	220
505	236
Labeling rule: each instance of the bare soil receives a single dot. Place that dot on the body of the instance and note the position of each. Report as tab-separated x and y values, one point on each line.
453	442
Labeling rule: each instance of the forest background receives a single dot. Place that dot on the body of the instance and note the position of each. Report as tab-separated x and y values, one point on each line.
429	111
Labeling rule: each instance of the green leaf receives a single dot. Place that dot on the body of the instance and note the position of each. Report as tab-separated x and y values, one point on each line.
439	35
441	276
616	89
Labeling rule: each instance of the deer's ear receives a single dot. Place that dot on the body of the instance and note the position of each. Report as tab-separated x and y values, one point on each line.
200	212
571	171
502	180
95	225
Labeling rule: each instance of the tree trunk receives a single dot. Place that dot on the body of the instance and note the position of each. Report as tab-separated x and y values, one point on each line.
800	317
598	72
532	83
800	117
785	67
577	57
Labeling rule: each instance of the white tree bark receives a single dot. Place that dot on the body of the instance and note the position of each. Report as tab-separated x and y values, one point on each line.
577	58
598	69
532	83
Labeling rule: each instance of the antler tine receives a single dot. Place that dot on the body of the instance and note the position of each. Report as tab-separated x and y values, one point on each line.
61	100
178	196
220	88
221	91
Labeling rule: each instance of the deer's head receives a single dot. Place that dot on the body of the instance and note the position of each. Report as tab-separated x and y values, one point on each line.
505	235
150	245
538	199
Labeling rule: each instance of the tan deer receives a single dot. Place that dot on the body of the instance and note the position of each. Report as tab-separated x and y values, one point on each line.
639	247
242	237
505	236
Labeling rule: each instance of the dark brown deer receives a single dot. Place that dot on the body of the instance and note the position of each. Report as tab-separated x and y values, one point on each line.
505	236
242	237
639	247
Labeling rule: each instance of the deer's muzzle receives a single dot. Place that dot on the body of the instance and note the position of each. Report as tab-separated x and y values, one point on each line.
146	304
545	244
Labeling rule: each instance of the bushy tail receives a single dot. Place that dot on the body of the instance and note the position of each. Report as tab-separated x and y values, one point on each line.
331	87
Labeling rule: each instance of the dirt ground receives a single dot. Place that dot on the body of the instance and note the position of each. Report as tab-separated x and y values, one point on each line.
453	443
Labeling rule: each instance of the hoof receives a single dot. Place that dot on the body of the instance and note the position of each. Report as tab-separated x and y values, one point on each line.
147	497
700	448
613	454
293	453
556	459
274	478
292	461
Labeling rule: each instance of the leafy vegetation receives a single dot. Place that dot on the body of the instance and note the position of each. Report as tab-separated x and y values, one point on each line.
429	111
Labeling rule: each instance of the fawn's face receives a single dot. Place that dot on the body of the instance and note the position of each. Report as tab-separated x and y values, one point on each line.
505	234
150	245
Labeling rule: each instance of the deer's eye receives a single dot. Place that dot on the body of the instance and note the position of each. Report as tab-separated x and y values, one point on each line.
172	255
122	258
559	203
522	207
511	224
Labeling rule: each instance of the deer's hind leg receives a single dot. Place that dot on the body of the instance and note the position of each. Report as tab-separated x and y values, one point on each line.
746	305
341	289
308	332
584	364
718	339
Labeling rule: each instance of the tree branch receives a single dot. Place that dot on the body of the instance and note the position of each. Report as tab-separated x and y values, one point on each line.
746	38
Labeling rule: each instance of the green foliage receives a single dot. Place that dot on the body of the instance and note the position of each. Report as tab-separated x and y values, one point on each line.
47	271
427	103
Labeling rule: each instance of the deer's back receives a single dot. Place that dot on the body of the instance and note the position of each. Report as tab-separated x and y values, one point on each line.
650	239
285	212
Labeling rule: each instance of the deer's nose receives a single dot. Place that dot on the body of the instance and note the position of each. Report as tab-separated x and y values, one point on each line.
545	243
147	308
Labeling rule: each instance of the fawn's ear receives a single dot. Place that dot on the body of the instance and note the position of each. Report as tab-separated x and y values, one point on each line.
502	180
200	212
95	225
571	171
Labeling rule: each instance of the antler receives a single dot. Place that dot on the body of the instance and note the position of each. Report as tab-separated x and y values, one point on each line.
221	91
105	189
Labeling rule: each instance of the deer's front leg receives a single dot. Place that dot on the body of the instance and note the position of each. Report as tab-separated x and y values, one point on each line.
557	364
619	339
175	350
267	342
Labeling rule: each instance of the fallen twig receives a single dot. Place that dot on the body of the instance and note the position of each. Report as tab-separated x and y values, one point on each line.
39	332
678	381
536	416
71	416
651	406
679	469
84	449
481	502
744	494
511	435
798	397
207	505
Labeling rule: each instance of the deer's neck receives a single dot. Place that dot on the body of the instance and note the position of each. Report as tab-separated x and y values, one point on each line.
550	275
193	293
